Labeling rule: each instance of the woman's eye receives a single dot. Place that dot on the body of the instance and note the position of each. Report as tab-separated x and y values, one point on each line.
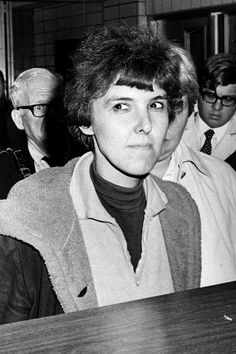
157	105
120	107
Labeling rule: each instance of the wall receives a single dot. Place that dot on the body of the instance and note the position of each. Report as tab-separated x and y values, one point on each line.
57	27
165	6
2	39
61	23
6	44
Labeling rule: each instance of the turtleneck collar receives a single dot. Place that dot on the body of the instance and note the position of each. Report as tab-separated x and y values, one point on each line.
117	196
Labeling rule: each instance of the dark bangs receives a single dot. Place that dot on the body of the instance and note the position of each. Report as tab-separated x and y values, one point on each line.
132	77
143	75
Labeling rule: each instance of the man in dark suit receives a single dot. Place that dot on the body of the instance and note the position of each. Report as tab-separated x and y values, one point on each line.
37	99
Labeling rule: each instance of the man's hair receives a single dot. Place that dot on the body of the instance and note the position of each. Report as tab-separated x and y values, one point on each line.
21	86
188	76
134	56
220	69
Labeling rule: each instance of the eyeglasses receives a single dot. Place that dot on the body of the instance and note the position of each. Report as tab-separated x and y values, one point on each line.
226	101
38	110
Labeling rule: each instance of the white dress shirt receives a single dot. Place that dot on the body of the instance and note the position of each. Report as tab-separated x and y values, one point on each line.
37	155
223	141
202	127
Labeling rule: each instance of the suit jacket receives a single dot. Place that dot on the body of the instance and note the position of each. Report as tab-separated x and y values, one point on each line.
224	148
10	172
9	169
232	160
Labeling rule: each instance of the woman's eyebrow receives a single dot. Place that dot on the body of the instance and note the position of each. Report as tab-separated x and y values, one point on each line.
120	98
160	97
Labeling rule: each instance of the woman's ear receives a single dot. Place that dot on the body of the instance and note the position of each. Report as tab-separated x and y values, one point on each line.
17	119
87	130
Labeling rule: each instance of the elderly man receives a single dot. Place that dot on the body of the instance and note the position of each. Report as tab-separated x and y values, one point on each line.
37	98
211	183
108	231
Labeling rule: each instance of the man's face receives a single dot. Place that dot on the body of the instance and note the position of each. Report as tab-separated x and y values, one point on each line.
215	114
41	90
129	126
175	131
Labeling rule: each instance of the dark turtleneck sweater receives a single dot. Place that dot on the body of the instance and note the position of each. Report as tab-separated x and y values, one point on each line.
127	206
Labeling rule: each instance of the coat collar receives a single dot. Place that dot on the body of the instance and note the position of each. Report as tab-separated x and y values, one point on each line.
185	154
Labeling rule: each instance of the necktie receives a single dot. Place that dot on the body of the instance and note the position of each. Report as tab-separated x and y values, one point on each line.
206	147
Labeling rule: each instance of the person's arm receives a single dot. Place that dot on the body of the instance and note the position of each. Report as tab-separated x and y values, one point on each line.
25	289
9	173
14	298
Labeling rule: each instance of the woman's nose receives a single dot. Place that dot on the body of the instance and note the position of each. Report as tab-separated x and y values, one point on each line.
143	122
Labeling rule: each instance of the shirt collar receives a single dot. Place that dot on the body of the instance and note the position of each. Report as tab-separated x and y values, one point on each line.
233	124
202	127
219	132
87	203
36	153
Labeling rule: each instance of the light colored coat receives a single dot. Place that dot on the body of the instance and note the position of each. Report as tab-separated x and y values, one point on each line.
212	184
40	212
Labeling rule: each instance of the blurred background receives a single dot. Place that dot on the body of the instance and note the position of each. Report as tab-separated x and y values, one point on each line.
45	33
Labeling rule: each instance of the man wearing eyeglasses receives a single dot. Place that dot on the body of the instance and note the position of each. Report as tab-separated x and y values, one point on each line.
212	129
36	97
